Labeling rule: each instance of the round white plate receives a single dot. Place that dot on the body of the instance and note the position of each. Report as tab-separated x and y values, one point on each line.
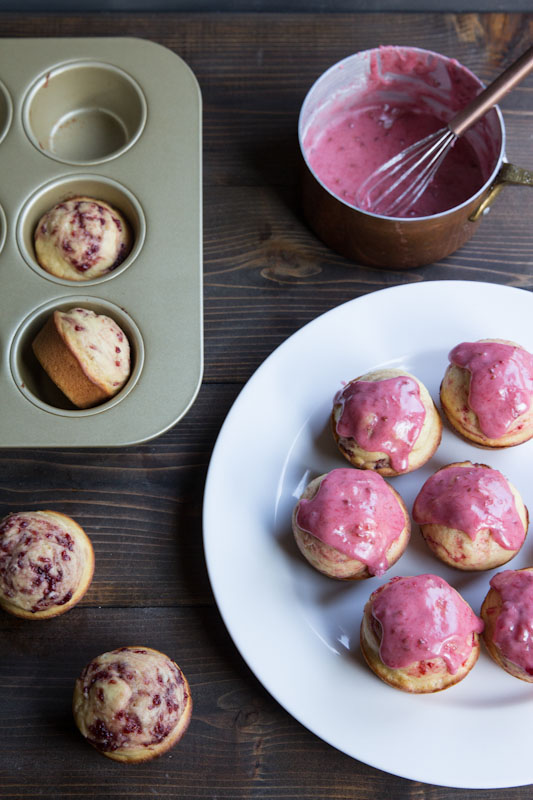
298	630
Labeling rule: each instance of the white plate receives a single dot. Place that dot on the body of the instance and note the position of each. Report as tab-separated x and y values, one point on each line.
298	630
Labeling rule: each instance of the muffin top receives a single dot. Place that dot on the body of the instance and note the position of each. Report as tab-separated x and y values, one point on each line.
421	618
471	498
99	344
357	513
41	561
382	416
81	239
501	382
130	698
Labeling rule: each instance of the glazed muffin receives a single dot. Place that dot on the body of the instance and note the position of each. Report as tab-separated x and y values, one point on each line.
132	704
471	516
507	612
87	355
46	564
419	635
487	392
386	421
350	524
81	239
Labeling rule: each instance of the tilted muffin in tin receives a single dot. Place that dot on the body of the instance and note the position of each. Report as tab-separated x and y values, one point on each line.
46	564
507	611
87	355
81	239
350	524
386	421
487	392
132	704
419	635
471	516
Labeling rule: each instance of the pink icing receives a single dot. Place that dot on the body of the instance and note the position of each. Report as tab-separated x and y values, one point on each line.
355	512
513	629
383	416
501	383
405	98
422	618
471	499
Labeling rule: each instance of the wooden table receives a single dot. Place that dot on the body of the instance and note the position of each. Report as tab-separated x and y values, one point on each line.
266	275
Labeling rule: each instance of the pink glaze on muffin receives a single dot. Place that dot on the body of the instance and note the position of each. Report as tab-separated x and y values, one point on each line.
351	524
471	516
386	421
508	614
419	635
487	392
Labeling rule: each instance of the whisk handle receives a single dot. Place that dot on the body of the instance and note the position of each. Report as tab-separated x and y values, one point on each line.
494	92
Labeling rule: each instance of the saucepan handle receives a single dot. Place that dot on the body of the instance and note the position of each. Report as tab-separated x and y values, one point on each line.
508	174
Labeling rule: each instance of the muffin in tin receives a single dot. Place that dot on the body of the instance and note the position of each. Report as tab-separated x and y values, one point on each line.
386	421
419	635
132	704
471	516
487	392
507	611
46	564
81	239
87	355
351	524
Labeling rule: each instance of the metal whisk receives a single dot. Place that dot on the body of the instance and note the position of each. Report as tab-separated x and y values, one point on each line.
394	188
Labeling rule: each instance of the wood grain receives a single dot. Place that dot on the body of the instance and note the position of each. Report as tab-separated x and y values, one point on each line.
266	275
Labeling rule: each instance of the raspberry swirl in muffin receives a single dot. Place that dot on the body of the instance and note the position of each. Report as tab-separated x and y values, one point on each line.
132	704
46	563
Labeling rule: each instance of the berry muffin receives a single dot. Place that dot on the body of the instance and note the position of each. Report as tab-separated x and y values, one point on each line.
507	612
87	355
350	524
419	635
132	704
386	421
487	392
46	564
81	239
471	516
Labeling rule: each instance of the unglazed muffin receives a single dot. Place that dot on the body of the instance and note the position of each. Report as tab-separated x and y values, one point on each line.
487	392
419	635
350	524
132	704
87	355
471	516
386	421
508	615
81	239
46	564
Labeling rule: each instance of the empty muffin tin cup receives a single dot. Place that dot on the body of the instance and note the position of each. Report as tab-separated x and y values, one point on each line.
84	112
95	186
6	111
32	380
393	80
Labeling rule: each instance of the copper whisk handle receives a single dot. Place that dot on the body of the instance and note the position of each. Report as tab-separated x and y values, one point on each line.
494	92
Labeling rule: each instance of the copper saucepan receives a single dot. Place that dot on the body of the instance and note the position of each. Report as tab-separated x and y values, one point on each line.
395	242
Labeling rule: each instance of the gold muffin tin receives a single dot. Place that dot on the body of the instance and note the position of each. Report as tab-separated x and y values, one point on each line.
119	120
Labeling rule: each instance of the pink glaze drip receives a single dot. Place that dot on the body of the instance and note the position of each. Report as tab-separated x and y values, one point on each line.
355	512
501	384
423	618
383	416
513	629
471	499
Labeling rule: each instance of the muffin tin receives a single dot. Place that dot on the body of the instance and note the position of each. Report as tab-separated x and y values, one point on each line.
119	120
